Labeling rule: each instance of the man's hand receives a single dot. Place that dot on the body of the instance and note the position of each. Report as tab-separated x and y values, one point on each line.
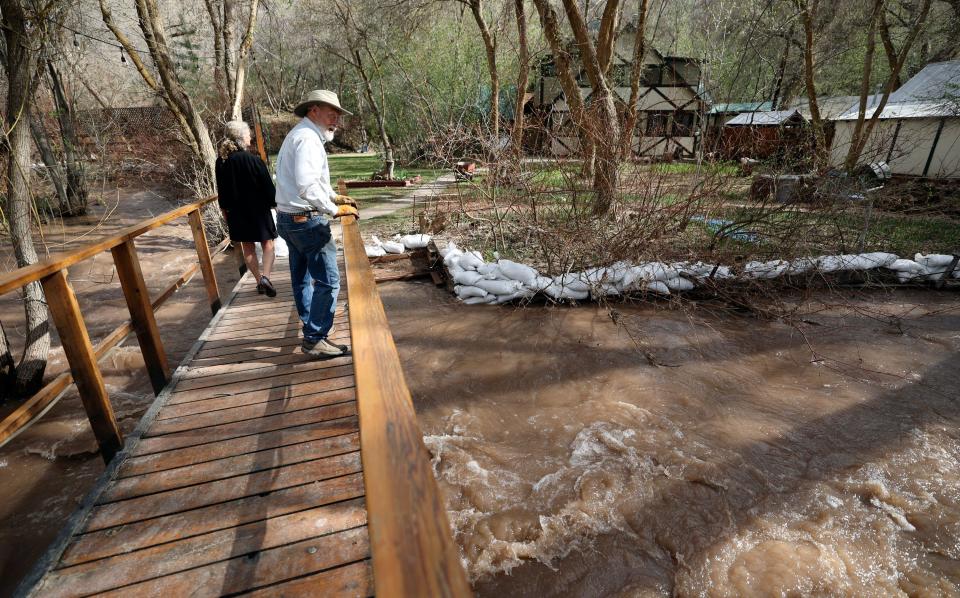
344	200
346	211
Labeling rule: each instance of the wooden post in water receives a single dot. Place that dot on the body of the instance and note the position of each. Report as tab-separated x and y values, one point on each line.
83	363
141	312
206	264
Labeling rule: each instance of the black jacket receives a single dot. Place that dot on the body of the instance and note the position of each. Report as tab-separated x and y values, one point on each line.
243	183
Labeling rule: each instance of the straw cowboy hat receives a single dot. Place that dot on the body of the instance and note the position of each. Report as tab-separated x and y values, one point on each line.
319	96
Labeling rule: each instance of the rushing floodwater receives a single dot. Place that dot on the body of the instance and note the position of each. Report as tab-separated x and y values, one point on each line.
754	458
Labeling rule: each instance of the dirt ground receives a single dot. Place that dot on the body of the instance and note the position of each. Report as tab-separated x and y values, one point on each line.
48	468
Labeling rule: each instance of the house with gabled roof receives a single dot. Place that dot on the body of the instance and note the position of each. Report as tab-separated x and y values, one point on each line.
669	106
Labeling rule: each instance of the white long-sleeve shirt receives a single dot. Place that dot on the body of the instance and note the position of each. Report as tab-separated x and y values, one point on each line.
303	173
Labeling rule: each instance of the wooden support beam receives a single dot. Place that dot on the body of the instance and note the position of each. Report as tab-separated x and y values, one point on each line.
206	264
141	313
83	363
412	545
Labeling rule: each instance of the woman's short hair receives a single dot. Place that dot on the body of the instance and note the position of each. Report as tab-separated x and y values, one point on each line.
236	131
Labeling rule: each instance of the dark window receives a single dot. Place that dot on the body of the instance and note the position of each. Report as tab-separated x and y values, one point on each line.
657	122
651	75
683	124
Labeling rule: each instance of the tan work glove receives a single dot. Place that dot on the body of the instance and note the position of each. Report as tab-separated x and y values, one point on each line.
346	211
344	200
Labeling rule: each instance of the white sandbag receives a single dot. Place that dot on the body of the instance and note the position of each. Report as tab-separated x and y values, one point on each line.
522	293
466	277
448	249
415	241
802	265
616	272
393	247
607	289
519	272
452	256
466	291
498	287
495	274
879	259
656	286
470	261
374	250
539	283
657	271
679	284
479	300
907	269
486	269
574	281
936	264
771	269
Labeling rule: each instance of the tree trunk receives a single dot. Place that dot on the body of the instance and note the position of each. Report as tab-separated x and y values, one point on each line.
516	135
888	48
808	10
636	75
21	66
8	367
388	162
606	133
862	134
77	194
490	45
50	160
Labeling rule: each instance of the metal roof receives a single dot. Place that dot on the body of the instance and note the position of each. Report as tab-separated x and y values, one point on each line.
933	92
740	107
830	107
775	118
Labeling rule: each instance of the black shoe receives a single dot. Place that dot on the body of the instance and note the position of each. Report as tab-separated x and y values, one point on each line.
266	286
242	268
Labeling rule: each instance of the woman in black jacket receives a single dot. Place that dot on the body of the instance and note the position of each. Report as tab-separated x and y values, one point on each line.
246	196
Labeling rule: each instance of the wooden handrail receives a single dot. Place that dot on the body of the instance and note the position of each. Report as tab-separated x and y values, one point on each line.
410	537
66	314
22	276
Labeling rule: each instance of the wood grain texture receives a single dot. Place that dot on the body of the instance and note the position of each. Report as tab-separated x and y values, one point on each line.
83	362
411	540
206	264
141	313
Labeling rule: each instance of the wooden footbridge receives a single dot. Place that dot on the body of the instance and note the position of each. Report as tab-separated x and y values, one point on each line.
256	470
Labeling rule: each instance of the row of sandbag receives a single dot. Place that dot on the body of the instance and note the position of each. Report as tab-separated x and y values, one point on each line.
477	281
398	244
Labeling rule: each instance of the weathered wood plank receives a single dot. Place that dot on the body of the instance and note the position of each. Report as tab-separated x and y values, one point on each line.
225	348
160	530
297	389
164	564
201	390
349	581
179	440
248	412
202	378
183	499
237	446
201	473
206	264
413	549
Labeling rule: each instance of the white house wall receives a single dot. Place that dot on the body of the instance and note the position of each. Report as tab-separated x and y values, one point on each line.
911	149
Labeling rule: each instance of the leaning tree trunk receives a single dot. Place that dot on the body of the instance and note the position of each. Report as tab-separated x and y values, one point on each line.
516	135
490	46
77	193
21	66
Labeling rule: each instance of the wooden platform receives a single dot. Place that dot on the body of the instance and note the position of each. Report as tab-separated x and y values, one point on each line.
246	476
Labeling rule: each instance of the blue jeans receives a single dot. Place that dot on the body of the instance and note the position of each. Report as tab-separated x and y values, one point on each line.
313	272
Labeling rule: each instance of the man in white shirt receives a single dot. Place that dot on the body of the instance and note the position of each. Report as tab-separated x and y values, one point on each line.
305	203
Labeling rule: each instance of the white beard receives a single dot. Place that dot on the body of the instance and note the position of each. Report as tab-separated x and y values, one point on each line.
328	135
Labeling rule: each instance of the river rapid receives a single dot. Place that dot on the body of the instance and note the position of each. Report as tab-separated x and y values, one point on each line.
633	450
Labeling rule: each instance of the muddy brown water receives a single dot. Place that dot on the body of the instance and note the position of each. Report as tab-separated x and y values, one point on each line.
757	458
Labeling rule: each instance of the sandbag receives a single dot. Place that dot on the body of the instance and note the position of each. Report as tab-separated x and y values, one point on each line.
574	281
679	284
489	271
393	247
448	249
415	241
480	300
466	291
470	261
556	291
771	269
519	272
498	287
374	250
522	293
656	286
466	277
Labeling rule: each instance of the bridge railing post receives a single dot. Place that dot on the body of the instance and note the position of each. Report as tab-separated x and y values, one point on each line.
83	362
141	313
206	264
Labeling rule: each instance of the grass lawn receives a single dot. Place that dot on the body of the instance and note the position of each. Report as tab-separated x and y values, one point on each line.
353	167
